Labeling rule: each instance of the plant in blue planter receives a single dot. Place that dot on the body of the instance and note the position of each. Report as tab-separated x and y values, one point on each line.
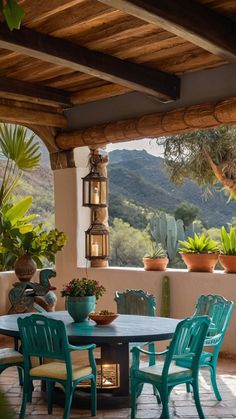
81	296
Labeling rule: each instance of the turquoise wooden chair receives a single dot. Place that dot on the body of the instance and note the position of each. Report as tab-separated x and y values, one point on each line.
164	375
43	337
136	302
219	310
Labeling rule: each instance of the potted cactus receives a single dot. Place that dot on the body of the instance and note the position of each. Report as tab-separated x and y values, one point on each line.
199	253
227	256
156	259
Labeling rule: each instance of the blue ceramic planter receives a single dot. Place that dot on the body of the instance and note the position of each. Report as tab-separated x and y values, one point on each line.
80	307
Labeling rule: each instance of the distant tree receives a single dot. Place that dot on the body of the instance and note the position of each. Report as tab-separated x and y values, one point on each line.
186	212
206	157
128	245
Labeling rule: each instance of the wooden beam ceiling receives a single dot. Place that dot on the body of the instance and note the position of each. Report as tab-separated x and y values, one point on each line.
161	85
189	20
155	125
33	92
21	114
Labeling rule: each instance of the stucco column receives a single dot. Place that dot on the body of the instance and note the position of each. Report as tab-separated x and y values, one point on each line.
70	216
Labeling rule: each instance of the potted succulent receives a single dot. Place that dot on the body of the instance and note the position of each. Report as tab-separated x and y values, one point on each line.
199	253
156	259
227	256
81	296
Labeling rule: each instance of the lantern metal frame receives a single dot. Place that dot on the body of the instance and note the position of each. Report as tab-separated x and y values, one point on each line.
95	185
97	241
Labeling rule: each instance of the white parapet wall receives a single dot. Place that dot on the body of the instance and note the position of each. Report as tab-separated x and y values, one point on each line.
185	287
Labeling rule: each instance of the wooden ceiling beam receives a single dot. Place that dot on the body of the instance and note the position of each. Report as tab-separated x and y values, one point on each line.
29	117
33	92
189	20
172	122
163	86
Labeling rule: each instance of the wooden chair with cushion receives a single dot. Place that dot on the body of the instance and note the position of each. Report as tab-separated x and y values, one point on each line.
43	337
219	310
164	375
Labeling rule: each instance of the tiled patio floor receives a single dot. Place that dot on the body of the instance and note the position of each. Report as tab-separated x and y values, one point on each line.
181	405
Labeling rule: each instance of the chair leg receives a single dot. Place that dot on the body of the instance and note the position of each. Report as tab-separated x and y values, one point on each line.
197	400
93	397
165	407
188	388
69	395
20	375
26	395
50	387
156	394
134	391
214	383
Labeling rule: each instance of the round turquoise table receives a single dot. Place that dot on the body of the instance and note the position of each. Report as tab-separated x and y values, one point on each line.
113	339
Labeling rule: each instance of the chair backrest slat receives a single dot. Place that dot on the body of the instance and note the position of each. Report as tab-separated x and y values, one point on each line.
189	337
43	337
218	309
137	302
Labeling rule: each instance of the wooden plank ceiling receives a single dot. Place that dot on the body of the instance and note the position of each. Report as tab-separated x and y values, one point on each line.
70	52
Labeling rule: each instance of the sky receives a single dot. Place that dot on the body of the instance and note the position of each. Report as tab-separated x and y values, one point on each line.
147	144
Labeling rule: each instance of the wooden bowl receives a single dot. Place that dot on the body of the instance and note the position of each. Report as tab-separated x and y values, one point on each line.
103	319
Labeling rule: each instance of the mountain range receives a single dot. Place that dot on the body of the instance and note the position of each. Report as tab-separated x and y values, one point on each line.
141	178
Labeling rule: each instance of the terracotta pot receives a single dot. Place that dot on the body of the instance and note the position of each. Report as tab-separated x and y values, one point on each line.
200	262
228	262
155	264
25	268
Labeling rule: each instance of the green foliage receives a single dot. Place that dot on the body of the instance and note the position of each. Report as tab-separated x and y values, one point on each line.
155	251
12	12
130	212
20	154
128	245
228	241
19	236
199	244
186	155
83	287
186	212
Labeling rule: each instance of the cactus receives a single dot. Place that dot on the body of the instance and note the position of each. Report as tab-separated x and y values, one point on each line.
165	297
167	231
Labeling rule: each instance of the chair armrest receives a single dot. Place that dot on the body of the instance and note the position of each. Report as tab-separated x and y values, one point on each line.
82	348
212	340
143	351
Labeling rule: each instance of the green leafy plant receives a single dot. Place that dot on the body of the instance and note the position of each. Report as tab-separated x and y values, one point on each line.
155	251
12	12
19	153
199	244
83	287
18	236
228	241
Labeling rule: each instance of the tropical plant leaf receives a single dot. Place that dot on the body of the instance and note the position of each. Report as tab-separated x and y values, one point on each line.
13	14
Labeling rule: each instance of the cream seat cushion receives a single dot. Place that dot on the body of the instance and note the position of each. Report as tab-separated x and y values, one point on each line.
155	371
58	370
9	355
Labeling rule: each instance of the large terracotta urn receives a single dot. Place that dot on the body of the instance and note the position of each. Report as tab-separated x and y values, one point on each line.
25	268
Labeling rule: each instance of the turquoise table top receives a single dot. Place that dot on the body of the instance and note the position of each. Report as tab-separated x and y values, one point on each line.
126	328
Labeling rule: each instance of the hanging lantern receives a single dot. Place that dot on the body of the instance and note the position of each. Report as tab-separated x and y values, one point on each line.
95	185
97	241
